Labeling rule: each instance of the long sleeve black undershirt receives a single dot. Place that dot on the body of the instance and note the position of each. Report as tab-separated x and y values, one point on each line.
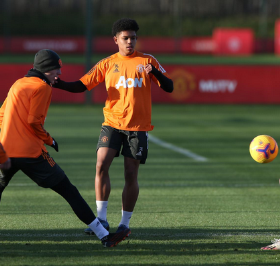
165	83
77	86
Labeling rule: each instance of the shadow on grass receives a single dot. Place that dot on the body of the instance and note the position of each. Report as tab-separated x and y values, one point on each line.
72	243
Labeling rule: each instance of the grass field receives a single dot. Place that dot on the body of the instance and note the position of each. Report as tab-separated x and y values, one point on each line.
214	212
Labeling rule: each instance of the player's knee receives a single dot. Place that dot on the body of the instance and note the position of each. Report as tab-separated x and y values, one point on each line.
101	169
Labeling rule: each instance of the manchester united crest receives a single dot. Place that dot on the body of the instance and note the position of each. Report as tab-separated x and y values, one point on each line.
104	139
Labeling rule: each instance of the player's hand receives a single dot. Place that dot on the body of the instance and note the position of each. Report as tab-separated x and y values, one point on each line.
57	83
6	165
149	68
55	145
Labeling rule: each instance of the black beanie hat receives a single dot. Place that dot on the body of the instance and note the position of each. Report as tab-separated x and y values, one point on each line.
46	60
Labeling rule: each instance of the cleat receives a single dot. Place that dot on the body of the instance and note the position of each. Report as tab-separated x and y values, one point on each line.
113	239
123	227
105	224
274	246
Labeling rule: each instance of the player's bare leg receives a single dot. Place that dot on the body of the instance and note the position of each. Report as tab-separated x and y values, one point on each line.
131	187
130	191
105	157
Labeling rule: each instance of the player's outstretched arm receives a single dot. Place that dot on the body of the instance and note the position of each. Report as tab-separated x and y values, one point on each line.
75	87
165	83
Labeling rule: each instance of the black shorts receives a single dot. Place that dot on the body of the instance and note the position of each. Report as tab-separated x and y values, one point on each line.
44	171
134	143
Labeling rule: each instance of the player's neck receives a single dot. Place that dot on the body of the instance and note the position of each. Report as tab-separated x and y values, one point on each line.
126	54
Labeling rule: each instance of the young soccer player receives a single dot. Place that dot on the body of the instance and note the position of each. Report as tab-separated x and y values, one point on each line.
23	136
127	75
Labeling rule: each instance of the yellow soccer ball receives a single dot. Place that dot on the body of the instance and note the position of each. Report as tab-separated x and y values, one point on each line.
263	149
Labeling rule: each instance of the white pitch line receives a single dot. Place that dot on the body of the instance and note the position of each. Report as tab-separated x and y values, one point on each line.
177	149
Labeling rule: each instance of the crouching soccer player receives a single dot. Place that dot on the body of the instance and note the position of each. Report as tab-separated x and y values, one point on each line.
23	136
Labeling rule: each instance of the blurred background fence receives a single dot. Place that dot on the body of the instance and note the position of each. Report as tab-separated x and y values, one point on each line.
157	18
174	18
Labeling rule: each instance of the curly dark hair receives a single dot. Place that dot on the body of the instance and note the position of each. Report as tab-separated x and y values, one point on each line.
124	24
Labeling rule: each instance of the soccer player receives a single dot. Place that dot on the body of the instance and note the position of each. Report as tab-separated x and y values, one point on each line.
23	136
274	246
127	112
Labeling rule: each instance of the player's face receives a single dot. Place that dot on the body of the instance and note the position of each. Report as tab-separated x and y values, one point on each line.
53	75
126	41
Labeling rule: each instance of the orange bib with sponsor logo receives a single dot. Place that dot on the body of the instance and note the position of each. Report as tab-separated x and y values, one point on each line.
128	105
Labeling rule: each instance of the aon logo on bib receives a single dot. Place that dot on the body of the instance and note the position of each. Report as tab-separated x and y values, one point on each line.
129	83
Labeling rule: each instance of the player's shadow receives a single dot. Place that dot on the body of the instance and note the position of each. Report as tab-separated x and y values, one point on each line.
143	242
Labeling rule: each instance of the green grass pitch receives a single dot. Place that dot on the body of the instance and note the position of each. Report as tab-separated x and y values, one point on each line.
214	212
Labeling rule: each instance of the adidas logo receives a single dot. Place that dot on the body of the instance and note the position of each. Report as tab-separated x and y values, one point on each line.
116	68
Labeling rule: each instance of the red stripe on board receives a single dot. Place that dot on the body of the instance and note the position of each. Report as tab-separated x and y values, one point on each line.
192	84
